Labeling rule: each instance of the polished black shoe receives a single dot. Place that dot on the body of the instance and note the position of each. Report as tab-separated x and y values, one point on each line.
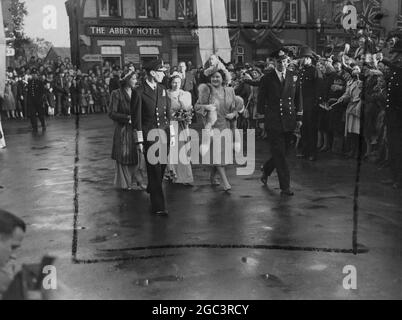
287	193
163	213
312	158
264	180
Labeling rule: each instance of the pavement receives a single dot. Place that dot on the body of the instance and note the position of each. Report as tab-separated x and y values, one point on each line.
249	244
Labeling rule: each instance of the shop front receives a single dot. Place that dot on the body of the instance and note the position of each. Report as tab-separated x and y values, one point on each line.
121	45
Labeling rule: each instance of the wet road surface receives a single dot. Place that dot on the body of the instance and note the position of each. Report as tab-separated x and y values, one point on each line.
249	244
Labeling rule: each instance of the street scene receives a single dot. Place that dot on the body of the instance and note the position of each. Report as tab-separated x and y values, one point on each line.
201	150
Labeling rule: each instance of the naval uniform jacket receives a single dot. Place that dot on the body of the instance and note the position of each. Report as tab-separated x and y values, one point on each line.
393	105
35	94
278	101
155	109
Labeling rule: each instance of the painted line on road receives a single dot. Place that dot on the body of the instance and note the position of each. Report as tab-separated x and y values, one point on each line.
76	187
94	261
241	246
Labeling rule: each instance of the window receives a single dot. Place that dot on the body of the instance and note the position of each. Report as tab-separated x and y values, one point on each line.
112	55
291	11
110	8
148	8
240	55
264	10
185	9
232	10
257	16
261	10
240	50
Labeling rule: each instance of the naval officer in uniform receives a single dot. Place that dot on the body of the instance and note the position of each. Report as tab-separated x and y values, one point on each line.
393	113
36	109
155	114
277	99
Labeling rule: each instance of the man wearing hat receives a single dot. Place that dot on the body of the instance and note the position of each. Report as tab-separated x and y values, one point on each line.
155	114
393	111
307	84
277	99
36	91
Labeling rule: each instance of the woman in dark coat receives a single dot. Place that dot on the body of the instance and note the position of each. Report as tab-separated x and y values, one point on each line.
126	151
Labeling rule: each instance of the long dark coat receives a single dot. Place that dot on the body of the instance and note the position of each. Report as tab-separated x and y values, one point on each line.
307	84
124	149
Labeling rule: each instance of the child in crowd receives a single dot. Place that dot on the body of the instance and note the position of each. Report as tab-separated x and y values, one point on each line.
50	99
83	101
69	103
103	100
95	96
91	102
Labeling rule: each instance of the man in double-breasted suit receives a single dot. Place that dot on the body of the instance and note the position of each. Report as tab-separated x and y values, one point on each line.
277	100
188	82
155	114
393	112
36	91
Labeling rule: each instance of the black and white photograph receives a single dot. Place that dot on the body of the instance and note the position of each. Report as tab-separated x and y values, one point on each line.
201	155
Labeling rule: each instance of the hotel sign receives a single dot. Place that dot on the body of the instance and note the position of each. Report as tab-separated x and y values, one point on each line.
107	31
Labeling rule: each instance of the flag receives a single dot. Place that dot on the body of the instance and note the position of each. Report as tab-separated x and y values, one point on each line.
213	30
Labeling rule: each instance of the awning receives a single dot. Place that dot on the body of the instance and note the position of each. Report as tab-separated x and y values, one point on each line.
111	50
150	51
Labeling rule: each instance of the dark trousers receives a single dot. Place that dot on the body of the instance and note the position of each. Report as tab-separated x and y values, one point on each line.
36	111
155	179
279	144
395	152
309	133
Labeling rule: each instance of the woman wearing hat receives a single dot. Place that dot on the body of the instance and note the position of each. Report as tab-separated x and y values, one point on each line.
218	98
308	77
125	151
180	103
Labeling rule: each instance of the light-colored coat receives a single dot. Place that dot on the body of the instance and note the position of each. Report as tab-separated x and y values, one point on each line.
352	97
